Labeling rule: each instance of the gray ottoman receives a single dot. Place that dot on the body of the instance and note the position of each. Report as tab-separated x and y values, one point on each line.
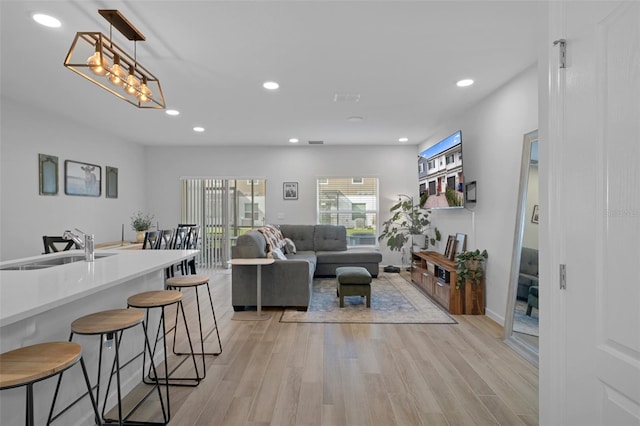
353	281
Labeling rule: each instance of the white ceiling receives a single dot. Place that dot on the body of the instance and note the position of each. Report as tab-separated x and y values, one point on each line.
402	57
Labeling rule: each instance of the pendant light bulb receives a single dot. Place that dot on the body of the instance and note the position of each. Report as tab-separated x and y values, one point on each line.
116	74
97	66
132	84
144	95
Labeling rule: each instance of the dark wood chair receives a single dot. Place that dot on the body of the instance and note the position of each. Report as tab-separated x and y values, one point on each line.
54	244
165	240
151	240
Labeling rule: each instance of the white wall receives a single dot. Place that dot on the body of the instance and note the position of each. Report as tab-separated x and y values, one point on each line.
25	215
149	178
492	138
395	166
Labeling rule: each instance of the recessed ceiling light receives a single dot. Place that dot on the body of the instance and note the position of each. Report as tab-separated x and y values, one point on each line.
198	129
172	112
270	85
46	20
403	140
294	140
355	119
464	83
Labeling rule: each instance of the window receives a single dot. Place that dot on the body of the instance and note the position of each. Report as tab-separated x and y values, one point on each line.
251	210
352	202
431	164
450	159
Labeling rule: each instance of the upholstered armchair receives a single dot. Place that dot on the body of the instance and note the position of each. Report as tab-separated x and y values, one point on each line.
528	272
532	300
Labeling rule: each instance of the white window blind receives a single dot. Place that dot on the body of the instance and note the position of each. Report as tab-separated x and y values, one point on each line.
352	202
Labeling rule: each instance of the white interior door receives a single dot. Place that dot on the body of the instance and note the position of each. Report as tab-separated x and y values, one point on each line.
590	363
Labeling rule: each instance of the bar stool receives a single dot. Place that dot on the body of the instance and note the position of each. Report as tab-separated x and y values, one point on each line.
112	324
194	281
161	299
30	364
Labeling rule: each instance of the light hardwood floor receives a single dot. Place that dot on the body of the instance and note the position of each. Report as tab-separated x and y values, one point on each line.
273	373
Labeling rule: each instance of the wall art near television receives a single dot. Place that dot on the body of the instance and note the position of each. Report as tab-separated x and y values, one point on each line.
82	179
48	174
440	174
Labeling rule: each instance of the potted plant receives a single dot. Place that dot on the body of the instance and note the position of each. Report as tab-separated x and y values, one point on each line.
408	219
470	266
140	223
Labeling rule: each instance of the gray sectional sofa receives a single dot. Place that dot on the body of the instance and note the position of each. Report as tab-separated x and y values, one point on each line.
320	249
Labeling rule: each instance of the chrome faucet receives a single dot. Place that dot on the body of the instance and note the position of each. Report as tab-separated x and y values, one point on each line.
86	243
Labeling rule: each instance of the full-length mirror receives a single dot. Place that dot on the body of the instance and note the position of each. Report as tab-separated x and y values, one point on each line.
521	319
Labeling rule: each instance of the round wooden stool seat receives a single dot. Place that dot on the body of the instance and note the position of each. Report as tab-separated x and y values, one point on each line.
154	299
107	321
187	281
32	363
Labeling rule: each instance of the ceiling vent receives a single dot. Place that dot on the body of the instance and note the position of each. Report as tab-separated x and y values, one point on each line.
316	142
346	97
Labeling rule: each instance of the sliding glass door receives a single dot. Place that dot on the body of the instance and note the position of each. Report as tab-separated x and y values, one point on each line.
224	209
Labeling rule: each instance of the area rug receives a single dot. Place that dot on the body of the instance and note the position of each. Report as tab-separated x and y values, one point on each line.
393	301
523	323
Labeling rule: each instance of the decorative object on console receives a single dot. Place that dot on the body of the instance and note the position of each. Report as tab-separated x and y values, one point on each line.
408	219
470	267
82	179
108	62
450	250
140	223
461	243
48	174
290	190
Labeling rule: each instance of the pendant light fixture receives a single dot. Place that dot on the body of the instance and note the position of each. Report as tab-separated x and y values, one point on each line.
97	58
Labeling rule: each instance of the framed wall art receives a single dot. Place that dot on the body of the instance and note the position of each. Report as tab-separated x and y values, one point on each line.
48	174
534	216
82	179
290	190
111	182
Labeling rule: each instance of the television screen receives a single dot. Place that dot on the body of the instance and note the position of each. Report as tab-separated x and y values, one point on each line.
440	174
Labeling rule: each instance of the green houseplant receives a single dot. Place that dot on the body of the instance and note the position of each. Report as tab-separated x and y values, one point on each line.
470	266
141	222
407	219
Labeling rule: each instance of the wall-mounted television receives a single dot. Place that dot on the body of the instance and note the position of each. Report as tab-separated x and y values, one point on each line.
440	174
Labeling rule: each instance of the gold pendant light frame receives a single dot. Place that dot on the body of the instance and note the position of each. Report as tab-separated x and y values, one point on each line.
93	56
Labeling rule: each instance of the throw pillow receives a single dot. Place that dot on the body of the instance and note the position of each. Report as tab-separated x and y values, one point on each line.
289	246
273	236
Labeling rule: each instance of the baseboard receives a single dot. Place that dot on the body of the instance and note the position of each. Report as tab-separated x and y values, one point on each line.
494	316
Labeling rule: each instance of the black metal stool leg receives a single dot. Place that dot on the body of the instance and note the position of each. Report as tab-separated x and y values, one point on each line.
167	379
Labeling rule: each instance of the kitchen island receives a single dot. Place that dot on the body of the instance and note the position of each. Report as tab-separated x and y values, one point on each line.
38	305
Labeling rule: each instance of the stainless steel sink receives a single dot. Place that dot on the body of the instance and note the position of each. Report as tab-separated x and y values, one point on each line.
48	263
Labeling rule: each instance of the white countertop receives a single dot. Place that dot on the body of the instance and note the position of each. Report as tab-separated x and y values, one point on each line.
30	292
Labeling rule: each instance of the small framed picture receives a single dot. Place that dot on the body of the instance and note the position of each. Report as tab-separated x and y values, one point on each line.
111	185
290	190
534	216
82	179
48	173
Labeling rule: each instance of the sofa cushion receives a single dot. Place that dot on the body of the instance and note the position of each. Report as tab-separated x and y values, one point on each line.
350	256
330	238
309	256
301	235
250	245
